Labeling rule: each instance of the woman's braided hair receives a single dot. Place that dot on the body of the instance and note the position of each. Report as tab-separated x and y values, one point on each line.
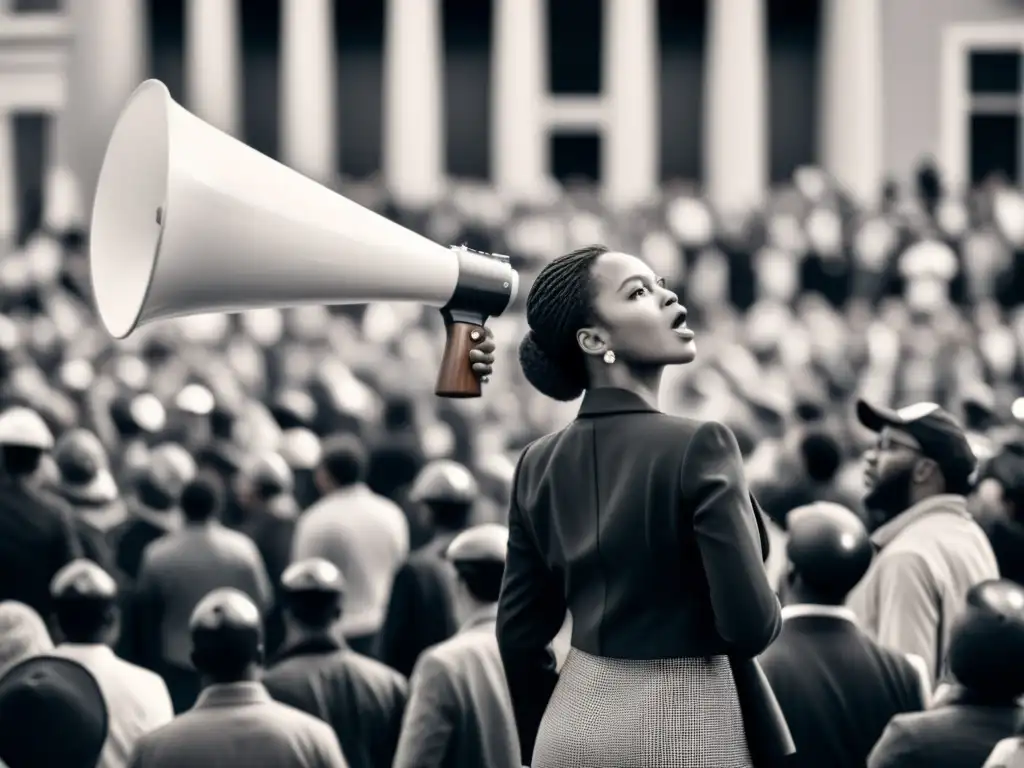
557	307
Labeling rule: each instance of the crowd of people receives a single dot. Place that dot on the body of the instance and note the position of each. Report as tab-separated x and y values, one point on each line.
278	495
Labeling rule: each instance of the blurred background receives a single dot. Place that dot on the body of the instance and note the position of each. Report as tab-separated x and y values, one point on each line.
831	185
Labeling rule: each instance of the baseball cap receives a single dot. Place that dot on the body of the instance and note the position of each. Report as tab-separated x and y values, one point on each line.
940	435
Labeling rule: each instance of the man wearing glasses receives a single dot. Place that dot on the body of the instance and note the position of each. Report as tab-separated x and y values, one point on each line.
930	551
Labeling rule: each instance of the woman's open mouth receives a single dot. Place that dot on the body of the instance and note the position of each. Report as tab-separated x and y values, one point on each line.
680	329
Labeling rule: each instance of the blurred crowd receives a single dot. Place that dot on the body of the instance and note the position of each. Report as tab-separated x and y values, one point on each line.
917	300
799	308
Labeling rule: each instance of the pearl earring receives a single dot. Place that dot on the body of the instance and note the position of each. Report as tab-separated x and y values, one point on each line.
609	357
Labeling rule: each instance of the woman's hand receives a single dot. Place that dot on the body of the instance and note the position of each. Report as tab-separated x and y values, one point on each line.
482	354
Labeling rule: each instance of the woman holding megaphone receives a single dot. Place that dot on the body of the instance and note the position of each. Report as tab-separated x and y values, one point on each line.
641	526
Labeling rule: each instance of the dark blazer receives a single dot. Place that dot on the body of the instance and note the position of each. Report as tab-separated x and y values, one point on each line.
181	568
642	526
837	687
38	537
240	725
360	698
420	610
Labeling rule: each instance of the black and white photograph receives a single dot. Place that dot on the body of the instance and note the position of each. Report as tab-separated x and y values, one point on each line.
511	383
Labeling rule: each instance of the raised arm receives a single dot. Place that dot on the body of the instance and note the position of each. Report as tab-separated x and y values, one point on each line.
747	612
531	611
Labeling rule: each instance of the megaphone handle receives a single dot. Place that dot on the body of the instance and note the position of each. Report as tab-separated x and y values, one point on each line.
456	378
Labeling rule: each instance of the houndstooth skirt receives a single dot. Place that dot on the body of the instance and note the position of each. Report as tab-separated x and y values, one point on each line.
618	713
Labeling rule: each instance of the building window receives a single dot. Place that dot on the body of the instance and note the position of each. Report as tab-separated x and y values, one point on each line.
681	49
467	88
794	52
166	34
576	157
994	116
30	144
260	22
359	47
574	40
37	6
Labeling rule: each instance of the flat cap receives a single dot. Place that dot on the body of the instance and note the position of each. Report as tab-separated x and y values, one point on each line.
313	575
83	579
134	412
293	408
53	696
445	481
173	461
84	469
195	399
271	470
24	427
300	448
487	543
76	375
225	608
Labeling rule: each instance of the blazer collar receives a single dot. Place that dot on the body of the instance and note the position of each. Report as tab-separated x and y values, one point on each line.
232	695
314	645
607	401
806	610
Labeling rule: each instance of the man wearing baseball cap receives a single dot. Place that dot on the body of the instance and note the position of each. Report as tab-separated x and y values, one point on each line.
931	552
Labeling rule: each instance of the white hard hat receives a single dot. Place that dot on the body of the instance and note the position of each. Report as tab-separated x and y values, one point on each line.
300	448
24	427
195	399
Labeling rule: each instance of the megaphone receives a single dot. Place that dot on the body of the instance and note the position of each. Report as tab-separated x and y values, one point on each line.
188	220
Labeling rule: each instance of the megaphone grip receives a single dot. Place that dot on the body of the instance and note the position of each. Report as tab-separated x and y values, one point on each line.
456	378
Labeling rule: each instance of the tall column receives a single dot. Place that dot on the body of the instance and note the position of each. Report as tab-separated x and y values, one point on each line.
413	116
735	120
630	145
108	59
519	135
62	197
308	88
851	96
212	62
8	183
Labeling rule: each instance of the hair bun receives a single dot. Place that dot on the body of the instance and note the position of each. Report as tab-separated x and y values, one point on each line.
548	377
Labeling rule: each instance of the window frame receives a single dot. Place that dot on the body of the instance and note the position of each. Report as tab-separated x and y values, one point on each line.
956	100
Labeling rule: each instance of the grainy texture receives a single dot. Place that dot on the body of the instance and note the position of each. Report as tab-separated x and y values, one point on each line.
616	713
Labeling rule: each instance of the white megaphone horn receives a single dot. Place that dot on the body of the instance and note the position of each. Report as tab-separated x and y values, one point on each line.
188	220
